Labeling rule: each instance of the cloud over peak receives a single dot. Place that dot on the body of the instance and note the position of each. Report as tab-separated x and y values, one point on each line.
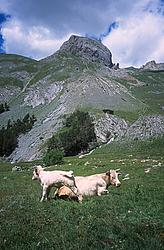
137	40
36	42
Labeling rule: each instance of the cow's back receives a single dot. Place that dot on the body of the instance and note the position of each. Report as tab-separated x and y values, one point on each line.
87	185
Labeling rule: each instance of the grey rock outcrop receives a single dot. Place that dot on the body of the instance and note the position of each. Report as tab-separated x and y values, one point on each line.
115	66
152	65
40	94
8	92
89	49
16	169
146	127
110	127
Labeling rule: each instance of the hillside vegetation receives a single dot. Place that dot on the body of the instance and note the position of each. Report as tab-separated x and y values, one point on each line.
129	217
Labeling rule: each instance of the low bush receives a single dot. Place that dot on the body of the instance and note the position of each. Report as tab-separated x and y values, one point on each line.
53	156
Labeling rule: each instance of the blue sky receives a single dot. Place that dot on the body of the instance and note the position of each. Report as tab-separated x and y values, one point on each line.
3	19
132	30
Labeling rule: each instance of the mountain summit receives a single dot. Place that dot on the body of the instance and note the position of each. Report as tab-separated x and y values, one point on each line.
89	49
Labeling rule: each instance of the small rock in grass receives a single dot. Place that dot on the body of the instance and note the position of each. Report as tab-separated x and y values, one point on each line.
16	169
126	178
147	170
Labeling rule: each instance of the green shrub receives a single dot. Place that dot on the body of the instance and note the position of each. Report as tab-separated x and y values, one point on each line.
53	156
75	136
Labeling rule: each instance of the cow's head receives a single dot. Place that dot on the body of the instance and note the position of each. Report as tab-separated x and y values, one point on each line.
36	172
113	177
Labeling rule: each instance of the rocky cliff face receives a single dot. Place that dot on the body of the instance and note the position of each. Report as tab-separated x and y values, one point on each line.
146	127
40	94
111	128
89	49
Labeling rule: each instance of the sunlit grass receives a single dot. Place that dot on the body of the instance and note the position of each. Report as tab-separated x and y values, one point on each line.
129	217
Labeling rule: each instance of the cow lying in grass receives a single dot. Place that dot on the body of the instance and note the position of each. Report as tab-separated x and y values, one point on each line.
55	178
96	184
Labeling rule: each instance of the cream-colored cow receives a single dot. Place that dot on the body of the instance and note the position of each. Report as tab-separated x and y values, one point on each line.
96	184
55	178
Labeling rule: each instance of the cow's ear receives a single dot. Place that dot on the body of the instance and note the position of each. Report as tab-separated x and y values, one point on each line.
36	171
108	173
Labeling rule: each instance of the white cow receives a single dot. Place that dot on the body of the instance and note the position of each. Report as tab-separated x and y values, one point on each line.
55	178
96	184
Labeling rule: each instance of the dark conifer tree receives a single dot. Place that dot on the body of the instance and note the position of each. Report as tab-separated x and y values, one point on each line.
1	108
9	135
6	107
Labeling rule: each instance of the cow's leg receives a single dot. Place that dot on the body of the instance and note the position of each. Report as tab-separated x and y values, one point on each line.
76	192
56	193
105	191
48	192
101	191
44	193
79	197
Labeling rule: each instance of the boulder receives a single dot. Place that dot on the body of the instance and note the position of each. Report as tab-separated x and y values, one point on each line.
16	169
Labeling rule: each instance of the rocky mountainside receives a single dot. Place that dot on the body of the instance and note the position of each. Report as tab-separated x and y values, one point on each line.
80	75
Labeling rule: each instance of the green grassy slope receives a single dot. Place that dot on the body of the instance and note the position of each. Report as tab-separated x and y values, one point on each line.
11	65
150	93
15	58
63	67
129	217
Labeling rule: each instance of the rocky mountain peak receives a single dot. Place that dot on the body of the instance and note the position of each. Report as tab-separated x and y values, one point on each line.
152	65
87	48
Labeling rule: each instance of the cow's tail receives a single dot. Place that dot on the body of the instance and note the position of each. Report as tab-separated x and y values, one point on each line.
70	174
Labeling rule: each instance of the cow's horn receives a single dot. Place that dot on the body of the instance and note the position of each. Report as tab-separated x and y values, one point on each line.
118	169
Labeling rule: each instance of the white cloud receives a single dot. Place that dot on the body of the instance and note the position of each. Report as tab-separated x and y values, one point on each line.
137	40
36	41
38	28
